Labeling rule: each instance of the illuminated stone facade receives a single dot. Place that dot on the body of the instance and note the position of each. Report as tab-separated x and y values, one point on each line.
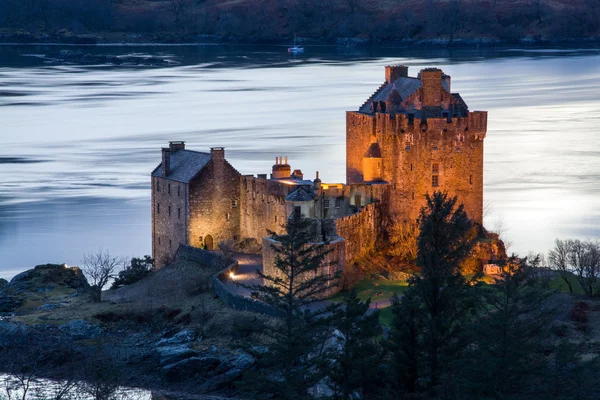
410	138
426	138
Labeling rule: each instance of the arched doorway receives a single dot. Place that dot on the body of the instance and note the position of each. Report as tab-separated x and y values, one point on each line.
208	242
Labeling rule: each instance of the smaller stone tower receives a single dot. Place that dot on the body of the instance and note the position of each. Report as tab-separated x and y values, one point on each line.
372	162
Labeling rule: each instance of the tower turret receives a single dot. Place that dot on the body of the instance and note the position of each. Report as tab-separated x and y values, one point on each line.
372	162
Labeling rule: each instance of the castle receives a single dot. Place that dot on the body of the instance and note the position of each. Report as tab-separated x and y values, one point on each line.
413	136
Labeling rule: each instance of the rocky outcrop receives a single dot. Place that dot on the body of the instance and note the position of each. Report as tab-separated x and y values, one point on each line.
40	283
79	329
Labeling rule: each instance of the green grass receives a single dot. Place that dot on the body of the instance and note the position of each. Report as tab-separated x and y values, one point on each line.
376	290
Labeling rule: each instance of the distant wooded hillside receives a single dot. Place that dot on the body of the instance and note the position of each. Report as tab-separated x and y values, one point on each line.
327	20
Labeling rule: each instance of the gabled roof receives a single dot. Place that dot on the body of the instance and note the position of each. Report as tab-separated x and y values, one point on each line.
301	194
374	151
404	86
185	165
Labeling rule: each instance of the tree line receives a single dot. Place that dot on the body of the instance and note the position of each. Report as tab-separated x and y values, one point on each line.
451	337
327	20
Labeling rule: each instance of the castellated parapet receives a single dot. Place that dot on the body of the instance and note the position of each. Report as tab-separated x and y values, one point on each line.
412	137
428	139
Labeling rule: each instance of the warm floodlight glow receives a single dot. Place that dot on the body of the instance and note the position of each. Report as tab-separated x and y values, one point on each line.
231	275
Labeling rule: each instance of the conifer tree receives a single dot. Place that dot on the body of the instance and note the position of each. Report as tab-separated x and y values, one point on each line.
506	357
428	329
287	370
352	364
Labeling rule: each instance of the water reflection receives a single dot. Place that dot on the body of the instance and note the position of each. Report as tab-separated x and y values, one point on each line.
28	387
77	143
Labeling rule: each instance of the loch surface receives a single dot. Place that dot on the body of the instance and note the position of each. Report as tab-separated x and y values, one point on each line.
78	142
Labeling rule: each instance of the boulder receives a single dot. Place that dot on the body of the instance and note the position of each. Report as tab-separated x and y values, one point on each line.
184	336
79	329
172	354
190	367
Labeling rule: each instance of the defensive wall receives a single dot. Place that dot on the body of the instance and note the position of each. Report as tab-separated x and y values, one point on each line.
361	232
333	263
262	207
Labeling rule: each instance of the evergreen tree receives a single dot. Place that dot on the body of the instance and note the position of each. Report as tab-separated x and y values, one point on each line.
429	320
506	359
287	370
139	268
352	364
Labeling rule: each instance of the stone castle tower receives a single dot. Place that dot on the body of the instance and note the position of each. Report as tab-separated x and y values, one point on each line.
419	137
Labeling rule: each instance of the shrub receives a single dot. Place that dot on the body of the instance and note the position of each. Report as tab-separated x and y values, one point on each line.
138	268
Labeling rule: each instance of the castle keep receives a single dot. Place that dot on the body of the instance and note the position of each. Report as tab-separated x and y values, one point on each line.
413	136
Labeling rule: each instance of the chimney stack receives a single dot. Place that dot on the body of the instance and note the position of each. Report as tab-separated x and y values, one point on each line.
431	80
286	160
166	161
393	72
178	145
217	153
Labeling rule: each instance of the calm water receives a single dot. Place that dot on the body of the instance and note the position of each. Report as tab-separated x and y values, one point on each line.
77	143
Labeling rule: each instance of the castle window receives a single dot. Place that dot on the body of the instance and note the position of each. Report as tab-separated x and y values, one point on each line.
157	185
169	243
158	208
411	119
326	203
458	149
435	168
298	210
227	215
169	188
413	195
338	203
235	237
178	213
471	179
200	239
178	190
169	211
411	167
435	180
276	219
233	203
159	240
407	146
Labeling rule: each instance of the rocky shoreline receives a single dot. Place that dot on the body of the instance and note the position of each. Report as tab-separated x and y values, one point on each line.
26	38
49	327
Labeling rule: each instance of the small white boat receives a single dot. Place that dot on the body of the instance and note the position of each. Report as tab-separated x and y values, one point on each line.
295	49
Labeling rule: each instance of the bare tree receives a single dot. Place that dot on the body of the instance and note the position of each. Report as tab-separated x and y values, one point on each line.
558	259
100	267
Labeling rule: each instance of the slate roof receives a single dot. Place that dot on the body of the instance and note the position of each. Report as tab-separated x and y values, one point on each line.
300	194
374	151
405	86
185	165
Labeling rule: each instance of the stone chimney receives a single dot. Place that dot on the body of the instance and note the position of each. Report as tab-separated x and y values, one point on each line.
217	153
166	161
393	72
431	79
178	145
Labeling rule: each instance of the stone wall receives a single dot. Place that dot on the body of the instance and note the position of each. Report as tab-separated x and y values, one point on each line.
214	205
333	263
361	232
413	153
262	207
169	218
238	301
359	128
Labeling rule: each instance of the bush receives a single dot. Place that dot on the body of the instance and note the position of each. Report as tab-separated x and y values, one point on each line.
138	269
